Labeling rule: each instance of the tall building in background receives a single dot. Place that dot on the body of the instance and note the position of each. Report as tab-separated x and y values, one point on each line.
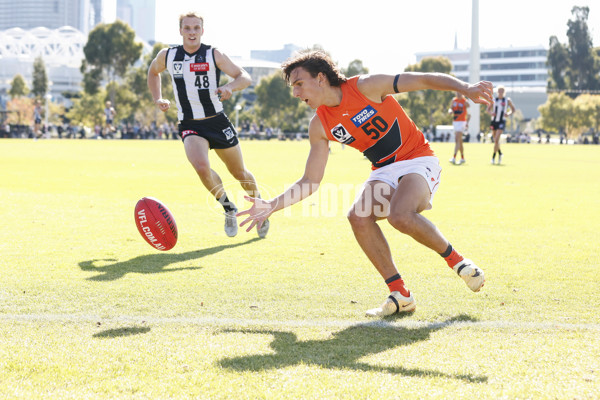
521	70
82	15
51	14
57	31
277	56
140	15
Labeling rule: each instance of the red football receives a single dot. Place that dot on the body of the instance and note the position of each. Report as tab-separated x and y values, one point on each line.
156	223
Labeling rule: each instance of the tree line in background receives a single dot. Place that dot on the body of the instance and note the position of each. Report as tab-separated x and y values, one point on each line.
114	69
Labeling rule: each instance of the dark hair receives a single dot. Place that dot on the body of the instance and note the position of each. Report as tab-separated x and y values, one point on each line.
314	61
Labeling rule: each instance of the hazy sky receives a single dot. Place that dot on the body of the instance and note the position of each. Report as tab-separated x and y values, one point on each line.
384	34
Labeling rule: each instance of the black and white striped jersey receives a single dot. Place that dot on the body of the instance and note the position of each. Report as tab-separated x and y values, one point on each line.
195	80
500	107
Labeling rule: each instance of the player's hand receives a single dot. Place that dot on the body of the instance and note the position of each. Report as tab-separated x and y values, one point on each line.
163	104
481	92
224	92
258	213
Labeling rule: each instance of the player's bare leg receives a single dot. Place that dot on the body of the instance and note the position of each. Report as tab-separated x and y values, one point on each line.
402	209
233	159
373	205
497	134
411	198
408	201
196	150
459	148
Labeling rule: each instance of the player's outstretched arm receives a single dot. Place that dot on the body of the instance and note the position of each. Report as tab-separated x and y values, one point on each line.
377	87
304	187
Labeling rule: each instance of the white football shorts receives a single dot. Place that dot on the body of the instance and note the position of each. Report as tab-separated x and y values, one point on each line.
460	126
428	167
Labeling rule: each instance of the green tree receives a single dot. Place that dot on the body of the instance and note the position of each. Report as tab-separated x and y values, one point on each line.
110	51
142	103
88	110
595	115
18	87
429	107
40	78
355	68
20	110
581	73
586	113
574	67
276	106
556	114
558	62
92	78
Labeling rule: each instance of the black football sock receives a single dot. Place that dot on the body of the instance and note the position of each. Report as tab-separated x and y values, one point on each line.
227	205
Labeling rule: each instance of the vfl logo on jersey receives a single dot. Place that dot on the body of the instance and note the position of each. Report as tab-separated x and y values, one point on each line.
228	132
363	116
199	67
341	134
177	69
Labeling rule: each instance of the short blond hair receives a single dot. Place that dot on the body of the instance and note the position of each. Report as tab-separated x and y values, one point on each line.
191	14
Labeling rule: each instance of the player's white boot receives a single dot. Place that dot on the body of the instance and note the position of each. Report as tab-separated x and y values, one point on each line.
262	231
231	227
395	303
471	274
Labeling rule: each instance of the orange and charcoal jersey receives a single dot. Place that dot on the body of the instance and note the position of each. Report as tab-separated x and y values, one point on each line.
381	131
459	108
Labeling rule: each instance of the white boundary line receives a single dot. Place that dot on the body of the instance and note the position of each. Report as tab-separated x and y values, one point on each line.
219	322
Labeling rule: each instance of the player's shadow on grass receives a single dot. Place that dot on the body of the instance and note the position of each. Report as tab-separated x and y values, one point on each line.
121	332
150	263
345	349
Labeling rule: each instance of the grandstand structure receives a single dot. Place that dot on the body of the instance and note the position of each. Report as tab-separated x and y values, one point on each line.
62	52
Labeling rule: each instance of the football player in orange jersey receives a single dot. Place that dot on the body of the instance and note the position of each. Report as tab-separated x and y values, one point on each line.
458	109
362	113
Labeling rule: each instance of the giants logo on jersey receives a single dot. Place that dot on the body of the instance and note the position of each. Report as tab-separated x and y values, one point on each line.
341	134
177	69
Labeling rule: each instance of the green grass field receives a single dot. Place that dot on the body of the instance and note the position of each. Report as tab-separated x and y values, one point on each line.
89	310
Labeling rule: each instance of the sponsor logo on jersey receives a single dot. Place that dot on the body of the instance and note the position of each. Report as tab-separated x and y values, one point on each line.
363	116
341	134
228	132
177	69
199	67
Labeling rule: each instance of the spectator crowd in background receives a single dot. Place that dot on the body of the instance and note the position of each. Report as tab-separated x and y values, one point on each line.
250	131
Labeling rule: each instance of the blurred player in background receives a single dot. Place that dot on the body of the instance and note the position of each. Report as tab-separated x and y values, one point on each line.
37	119
109	114
458	109
501	108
